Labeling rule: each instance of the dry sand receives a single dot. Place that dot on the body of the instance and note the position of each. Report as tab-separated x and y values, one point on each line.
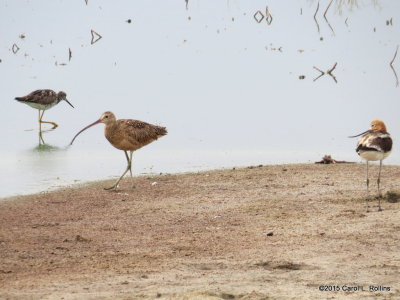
272	232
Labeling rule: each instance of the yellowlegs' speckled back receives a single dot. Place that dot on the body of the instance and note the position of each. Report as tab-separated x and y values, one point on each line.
43	100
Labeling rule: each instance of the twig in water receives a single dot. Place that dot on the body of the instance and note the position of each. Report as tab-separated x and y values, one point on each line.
345	22
258	16
330	3
315	14
268	16
95	37
391	66
69	54
391	63
319	70
331	69
15	48
327	9
322	73
329	72
187	4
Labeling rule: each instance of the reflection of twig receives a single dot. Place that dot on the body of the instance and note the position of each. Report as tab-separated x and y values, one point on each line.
319	70
345	22
69	54
395	75
322	73
327	9
330	3
391	66
268	16
261	16
15	48
331	69
316	11
95	36
329	72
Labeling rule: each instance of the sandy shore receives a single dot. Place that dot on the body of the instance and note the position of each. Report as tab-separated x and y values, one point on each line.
269	232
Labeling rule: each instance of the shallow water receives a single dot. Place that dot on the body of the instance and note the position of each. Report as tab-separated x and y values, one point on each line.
227	88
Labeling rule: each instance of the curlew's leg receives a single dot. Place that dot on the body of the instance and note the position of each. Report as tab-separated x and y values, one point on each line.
55	125
129	161
128	168
379	182
366	198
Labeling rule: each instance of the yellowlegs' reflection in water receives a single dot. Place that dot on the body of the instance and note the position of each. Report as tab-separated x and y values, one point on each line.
43	147
40	135
41	140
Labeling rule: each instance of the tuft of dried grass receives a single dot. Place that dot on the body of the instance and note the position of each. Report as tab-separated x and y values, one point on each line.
392	196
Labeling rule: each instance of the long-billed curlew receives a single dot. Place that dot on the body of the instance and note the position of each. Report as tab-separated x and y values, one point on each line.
43	100
127	135
374	144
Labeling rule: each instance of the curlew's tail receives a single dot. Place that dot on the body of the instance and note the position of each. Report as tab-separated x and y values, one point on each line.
19	98
160	131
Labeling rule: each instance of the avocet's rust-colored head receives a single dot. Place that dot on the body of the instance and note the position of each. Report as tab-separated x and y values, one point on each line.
378	125
107	118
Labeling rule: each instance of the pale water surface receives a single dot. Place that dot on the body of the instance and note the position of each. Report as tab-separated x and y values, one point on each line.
227	88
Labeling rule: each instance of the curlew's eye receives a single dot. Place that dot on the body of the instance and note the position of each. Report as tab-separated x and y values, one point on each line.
106	116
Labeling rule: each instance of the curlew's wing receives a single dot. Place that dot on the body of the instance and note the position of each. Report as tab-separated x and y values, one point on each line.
39	96
375	141
141	132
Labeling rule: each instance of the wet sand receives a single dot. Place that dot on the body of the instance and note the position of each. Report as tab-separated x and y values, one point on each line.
264	232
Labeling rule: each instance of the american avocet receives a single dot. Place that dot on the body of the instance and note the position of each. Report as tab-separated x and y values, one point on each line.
374	144
43	100
127	135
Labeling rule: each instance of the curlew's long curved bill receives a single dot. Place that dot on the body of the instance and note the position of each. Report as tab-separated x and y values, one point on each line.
94	123
69	103
359	134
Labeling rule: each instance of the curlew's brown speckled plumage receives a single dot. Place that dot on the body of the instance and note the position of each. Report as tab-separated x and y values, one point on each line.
127	135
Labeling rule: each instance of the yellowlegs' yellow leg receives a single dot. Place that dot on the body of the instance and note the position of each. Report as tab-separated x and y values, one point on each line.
40	122
55	125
